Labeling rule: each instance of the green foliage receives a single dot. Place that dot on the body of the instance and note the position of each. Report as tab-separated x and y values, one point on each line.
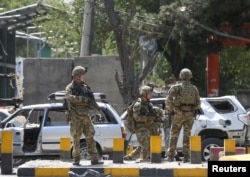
180	27
234	62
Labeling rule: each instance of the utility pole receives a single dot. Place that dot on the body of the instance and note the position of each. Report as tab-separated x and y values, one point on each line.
86	28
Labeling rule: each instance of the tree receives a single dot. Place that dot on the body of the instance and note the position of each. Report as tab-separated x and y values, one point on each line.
128	81
184	26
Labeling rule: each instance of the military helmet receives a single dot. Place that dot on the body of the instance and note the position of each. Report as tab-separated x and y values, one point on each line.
146	89
185	74
79	70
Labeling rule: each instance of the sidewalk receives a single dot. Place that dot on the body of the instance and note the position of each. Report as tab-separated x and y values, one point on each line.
49	168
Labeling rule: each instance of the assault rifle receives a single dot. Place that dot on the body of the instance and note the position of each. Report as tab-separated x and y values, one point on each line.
153	112
87	94
195	113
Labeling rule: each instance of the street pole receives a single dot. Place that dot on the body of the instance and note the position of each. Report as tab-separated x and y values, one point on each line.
86	28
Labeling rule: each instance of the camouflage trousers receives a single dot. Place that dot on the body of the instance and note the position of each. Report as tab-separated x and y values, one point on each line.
185	120
143	138
83	125
154	130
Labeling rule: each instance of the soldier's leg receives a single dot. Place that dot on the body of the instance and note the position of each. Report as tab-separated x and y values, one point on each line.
143	140
75	131
89	133
174	134
187	126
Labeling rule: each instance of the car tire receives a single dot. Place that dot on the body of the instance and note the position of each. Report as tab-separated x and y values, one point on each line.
84	151
207	144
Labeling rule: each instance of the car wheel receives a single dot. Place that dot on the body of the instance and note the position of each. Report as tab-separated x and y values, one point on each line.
207	144
84	151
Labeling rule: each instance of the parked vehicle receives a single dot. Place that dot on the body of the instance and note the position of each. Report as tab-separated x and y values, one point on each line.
218	118
4	113
37	130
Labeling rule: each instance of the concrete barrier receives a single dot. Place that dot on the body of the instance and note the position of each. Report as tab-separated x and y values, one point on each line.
7	152
241	157
118	150
215	151
155	149
229	146
65	148
195	149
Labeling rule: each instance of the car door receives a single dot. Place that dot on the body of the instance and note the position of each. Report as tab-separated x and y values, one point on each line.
54	127
23	127
106	126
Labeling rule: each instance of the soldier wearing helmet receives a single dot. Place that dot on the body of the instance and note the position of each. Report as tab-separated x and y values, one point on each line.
80	122
181	102
78	71
185	74
144	115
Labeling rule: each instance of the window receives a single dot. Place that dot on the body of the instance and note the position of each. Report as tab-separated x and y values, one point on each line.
56	118
222	106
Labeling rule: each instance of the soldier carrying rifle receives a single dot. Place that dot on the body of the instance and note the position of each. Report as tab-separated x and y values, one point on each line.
80	101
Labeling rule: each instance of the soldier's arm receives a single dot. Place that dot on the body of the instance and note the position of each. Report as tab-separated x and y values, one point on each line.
169	99
198	101
73	98
160	114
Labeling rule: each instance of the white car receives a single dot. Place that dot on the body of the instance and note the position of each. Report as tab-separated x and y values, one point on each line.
37	130
218	118
4	113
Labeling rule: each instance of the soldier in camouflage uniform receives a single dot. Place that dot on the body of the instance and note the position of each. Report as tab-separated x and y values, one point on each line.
182	100
167	121
146	124
154	130
80	123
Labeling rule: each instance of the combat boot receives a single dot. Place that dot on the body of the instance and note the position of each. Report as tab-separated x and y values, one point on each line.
96	162
76	162
142	160
177	158
127	157
169	158
186	159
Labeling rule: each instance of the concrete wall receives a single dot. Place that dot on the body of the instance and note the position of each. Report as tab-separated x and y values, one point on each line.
101	77
44	76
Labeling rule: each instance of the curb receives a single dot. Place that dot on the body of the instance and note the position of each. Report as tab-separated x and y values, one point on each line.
131	172
241	157
132	169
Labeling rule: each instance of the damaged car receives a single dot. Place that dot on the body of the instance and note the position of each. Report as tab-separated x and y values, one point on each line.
218	118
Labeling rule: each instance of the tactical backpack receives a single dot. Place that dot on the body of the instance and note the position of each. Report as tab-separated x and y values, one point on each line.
186	95
130	119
